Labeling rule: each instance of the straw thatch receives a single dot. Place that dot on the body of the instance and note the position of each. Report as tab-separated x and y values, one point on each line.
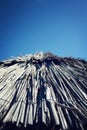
43	91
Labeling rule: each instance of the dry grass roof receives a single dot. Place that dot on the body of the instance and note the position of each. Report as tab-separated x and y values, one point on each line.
44	89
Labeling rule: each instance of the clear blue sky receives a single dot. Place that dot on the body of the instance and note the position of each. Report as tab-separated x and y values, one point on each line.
29	26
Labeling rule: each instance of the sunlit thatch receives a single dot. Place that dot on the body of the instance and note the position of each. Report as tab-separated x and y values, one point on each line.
43	90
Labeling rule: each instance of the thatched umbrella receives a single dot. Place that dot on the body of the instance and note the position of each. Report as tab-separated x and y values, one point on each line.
43	91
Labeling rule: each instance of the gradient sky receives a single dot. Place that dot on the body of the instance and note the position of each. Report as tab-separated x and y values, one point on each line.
30	26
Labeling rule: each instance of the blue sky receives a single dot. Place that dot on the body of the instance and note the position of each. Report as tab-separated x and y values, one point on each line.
30	26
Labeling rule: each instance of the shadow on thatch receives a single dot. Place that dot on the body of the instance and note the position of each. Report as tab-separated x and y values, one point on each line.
12	126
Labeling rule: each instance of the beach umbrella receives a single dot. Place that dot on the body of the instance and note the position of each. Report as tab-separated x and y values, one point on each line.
43	91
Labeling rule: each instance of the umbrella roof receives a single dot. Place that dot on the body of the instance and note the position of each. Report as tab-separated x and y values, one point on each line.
44	89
